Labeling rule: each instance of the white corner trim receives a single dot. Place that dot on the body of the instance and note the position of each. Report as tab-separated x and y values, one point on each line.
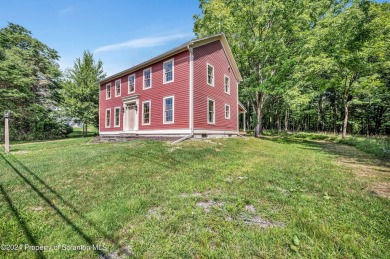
191	89
173	71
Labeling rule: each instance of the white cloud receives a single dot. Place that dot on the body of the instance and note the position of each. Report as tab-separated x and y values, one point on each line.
142	43
65	11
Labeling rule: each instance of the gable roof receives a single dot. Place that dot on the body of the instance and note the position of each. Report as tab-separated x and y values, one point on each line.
194	43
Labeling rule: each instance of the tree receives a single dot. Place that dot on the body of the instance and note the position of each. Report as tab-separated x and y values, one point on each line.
29	83
339	52
81	90
264	35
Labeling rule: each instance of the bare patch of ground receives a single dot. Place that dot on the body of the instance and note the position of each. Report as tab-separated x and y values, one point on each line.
364	165
209	204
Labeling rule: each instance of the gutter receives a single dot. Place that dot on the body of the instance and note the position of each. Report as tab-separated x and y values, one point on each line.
190	49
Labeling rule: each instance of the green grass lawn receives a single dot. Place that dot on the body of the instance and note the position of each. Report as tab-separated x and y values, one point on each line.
237	197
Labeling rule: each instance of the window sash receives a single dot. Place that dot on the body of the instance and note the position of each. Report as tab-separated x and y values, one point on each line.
168	112
131	83
147	82
168	70
210	75
108	118
146	113
227	85
117	88
227	111
108	91
117	117
211	111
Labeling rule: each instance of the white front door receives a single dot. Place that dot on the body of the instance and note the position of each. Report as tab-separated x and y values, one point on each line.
130	116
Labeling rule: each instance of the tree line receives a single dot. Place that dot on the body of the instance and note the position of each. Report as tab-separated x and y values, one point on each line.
40	96
308	65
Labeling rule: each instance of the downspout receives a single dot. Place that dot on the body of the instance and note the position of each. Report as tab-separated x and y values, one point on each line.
191	98
191	89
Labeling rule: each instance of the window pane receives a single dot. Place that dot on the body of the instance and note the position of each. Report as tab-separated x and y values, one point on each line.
146	113
147	78
131	83
108	115
108	88
117	116
169	110
211	111
168	71
227	85
210	74
117	87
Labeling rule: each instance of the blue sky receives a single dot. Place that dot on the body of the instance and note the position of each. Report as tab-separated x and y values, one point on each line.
120	33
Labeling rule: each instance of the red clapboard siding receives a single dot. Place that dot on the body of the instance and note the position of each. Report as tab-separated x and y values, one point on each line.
214	54
179	89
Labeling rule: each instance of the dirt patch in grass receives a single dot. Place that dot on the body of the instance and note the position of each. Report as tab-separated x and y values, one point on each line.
364	165
209	204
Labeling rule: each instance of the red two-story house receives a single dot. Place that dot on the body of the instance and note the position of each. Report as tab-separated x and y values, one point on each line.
191	90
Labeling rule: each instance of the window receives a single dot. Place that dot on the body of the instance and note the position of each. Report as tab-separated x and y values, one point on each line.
227	111
117	114
227	85
146	113
210	111
168	71
108	118
131	83
117	88
169	107
148	78
210	74
108	91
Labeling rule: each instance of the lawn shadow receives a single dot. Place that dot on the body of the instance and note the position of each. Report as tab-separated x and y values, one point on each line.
77	229
362	164
74	209
337	149
21	222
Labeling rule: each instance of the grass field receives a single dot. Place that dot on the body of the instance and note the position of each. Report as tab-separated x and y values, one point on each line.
238	197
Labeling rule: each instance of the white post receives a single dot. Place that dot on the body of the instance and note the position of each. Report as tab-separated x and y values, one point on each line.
6	130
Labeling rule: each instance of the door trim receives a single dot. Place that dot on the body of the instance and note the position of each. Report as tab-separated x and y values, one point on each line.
125	102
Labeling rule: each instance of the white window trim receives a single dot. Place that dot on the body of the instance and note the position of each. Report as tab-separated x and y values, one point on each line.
115	109
208	111
173	71
207	75
108	86
173	110
224	84
128	83
120	88
105	119
143	78
150	112
227	105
